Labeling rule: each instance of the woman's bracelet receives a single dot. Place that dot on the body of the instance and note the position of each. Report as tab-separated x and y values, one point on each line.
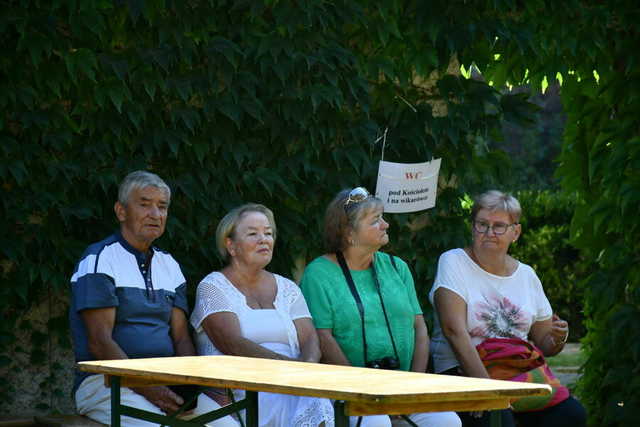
559	342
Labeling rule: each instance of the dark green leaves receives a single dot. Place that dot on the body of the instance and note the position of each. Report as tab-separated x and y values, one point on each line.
283	103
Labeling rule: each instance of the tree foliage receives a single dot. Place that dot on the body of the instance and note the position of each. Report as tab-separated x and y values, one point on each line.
545	245
602	161
598	61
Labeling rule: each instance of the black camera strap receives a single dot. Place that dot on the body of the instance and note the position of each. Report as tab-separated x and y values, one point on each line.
356	297
384	310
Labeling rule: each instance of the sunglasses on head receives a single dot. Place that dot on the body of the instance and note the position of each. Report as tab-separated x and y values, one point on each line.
357	195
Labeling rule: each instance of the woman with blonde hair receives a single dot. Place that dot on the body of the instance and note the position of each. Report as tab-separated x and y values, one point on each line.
244	310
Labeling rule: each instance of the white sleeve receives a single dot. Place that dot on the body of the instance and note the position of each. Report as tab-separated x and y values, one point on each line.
210	299
449	276
298	308
543	307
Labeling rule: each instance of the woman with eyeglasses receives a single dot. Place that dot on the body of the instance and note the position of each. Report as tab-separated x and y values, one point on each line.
244	310
494	320
363	301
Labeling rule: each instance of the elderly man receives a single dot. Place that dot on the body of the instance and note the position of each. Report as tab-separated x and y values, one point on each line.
129	301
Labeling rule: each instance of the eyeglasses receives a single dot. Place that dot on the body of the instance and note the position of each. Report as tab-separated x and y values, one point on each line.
498	228
357	195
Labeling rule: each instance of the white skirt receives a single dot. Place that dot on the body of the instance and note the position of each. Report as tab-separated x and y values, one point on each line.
281	410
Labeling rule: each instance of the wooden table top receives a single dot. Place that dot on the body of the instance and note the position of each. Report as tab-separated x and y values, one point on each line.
363	385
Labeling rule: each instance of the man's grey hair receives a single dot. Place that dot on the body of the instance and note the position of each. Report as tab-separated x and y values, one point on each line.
140	179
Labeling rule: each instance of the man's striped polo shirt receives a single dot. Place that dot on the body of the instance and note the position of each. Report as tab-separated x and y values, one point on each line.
143	289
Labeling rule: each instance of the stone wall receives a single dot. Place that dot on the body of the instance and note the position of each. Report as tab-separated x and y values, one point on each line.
39	377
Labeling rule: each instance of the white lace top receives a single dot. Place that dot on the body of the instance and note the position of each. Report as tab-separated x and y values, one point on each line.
217	294
271	328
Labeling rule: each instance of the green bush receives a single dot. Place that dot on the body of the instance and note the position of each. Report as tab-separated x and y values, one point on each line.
545	245
596	58
601	161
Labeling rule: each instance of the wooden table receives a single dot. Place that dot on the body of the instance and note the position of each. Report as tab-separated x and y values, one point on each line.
357	391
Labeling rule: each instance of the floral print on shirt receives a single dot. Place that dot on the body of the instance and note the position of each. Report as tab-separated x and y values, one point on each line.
500	318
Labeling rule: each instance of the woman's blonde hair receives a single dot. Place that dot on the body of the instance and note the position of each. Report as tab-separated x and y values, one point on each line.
497	201
338	221
227	226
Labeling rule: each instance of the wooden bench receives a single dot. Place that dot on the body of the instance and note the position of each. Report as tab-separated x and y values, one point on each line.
65	421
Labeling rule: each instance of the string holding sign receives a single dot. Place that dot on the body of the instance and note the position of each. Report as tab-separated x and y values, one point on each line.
384	141
406	187
384	136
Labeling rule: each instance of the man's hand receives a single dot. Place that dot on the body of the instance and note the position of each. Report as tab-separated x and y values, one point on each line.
162	397
218	395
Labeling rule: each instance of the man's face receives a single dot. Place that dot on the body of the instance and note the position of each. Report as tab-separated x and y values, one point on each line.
143	218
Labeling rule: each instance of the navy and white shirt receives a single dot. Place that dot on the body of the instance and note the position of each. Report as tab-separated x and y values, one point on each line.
143	289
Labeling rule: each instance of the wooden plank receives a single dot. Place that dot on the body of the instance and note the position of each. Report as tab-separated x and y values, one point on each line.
312	379
363	408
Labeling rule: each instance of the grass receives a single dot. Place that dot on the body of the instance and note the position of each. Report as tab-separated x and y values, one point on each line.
574	358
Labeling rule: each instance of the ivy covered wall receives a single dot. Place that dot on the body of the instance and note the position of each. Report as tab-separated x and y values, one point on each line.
282	102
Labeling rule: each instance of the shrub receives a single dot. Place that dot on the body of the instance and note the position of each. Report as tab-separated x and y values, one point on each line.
545	245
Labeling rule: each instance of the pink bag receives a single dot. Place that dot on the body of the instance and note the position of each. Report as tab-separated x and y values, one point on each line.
516	360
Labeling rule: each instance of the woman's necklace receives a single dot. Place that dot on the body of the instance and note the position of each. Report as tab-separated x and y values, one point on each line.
504	270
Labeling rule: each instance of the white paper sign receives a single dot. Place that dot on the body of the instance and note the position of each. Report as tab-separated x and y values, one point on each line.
407	187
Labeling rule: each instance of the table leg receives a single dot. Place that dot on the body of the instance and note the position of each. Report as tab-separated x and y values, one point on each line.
341	419
115	401
496	418
252	408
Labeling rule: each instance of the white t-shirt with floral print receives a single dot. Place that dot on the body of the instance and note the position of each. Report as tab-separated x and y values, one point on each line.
497	306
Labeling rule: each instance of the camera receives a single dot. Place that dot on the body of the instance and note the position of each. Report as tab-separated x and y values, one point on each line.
188	393
384	363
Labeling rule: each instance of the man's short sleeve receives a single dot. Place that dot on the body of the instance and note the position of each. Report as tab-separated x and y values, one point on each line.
92	283
181	298
94	290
